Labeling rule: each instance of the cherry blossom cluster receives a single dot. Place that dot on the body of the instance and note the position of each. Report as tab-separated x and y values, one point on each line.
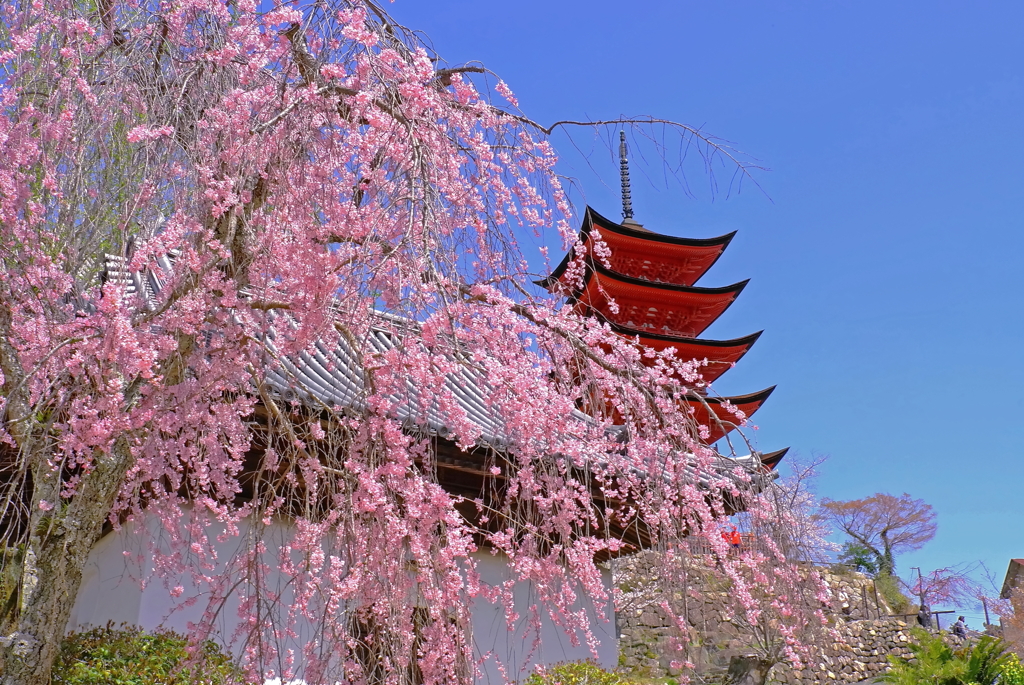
274	177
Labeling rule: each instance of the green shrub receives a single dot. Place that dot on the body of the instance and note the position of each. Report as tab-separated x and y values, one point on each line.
128	656
576	673
934	662
986	660
1013	672
859	558
980	663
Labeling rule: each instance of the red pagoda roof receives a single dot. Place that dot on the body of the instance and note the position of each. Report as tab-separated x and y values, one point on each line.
710	412
649	256
720	354
654	308
772	459
650	279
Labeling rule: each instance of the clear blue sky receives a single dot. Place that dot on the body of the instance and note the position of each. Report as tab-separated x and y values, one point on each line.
885	260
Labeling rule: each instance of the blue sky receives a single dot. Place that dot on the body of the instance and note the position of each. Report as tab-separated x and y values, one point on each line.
885	251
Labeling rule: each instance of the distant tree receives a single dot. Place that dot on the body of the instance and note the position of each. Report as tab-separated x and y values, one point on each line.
952	585
859	557
884	524
796	524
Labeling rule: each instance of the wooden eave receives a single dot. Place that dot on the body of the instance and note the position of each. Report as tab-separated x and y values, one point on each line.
720	354
461	473
772	459
1014	572
646	255
711	412
653	308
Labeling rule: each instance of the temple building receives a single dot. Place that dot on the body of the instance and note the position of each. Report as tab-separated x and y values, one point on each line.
644	287
1011	626
652	280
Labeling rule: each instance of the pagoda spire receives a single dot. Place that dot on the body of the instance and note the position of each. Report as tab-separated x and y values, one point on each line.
627	200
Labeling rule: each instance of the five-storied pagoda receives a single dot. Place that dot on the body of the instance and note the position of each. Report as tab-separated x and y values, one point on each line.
645	288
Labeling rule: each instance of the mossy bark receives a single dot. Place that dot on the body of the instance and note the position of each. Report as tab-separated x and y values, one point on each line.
59	545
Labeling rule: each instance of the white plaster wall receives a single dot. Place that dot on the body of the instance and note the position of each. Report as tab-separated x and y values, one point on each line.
112	590
119	584
513	648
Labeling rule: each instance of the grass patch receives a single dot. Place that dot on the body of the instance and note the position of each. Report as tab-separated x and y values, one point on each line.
889	587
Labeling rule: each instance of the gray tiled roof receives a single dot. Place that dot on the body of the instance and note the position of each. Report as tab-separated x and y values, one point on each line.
331	375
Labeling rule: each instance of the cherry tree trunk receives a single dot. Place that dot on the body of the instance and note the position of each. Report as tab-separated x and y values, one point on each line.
748	670
59	548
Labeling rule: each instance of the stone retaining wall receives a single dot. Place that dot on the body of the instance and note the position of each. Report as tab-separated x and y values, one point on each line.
867	635
861	653
646	635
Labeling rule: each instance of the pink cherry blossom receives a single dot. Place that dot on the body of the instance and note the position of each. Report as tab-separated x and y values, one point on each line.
262	274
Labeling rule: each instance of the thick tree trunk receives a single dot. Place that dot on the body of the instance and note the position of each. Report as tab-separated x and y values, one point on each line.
62	533
748	670
887	563
58	551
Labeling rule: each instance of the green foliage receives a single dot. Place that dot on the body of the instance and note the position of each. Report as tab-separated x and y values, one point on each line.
127	656
589	673
985	660
859	557
1013	672
889	587
934	662
576	673
982	663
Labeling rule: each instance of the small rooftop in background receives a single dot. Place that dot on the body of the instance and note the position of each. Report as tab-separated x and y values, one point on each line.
1014	577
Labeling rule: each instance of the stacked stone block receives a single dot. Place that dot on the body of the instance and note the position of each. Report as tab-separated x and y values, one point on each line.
866	634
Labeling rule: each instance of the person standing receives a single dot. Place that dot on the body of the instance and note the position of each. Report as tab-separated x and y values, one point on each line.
735	539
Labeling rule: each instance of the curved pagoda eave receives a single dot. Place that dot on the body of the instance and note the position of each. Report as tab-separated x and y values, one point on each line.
640	253
772	459
654	308
712	413
720	354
